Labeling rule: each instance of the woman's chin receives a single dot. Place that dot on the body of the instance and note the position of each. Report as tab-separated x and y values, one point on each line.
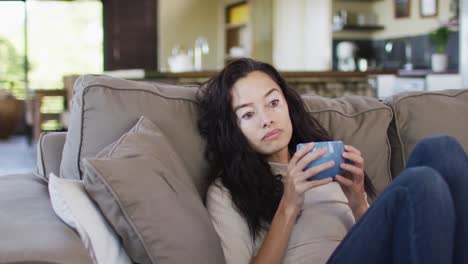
274	148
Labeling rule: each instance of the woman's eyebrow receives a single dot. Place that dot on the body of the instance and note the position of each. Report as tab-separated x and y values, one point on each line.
247	104
240	106
269	92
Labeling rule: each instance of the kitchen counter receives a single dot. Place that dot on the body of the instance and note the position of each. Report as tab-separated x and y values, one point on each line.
200	75
422	73
285	74
324	83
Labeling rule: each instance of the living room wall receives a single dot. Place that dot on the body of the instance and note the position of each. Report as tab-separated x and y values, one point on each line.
413	25
394	27
181	22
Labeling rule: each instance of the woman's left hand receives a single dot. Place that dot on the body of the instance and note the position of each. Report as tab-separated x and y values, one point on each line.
352	182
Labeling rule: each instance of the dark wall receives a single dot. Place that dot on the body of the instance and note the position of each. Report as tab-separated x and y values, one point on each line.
130	34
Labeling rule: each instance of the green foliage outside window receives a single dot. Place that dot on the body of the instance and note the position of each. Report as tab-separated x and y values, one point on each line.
11	69
63	38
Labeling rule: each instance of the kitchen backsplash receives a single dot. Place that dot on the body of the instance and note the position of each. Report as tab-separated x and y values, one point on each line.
378	57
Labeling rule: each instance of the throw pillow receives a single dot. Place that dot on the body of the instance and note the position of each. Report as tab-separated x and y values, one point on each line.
99	101
145	191
72	204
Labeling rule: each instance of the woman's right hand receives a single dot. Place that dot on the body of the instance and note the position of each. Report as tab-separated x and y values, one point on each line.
295	183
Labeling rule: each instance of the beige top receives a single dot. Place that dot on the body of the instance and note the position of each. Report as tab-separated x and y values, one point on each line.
322	225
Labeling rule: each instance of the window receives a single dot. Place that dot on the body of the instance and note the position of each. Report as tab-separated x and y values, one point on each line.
12	48
63	38
58	38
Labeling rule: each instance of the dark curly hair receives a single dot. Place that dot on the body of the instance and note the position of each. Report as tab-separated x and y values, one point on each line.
255	191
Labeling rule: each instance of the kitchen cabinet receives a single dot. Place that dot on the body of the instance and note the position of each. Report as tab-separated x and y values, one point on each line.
130	39
358	0
247	30
410	81
358	28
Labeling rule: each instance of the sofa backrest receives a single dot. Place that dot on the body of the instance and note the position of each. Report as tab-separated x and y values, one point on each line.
104	108
421	114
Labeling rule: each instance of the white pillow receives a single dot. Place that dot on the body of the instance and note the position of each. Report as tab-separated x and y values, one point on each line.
72	204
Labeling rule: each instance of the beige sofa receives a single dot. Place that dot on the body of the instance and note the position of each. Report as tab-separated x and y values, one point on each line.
104	108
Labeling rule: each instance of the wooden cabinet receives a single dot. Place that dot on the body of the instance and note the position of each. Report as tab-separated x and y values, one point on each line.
247	30
237	26
130	34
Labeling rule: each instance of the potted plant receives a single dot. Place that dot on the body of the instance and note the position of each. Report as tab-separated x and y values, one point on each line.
10	73
439	38
10	112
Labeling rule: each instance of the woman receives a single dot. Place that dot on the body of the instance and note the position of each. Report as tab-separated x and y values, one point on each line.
265	210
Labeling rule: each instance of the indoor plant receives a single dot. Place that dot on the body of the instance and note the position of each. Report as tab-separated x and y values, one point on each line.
11	73
439	38
10	113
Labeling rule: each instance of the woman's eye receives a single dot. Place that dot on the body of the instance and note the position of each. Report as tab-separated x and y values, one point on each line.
247	115
274	102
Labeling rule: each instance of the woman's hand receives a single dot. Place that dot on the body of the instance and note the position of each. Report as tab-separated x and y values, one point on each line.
352	182
295	182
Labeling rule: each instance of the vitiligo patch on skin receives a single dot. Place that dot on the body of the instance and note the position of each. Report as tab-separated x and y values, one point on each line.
261	108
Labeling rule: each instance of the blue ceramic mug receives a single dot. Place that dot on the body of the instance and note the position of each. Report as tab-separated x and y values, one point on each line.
335	151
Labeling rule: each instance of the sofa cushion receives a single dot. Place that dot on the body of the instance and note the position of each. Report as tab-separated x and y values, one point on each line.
73	205
361	122
145	191
422	114
30	230
104	108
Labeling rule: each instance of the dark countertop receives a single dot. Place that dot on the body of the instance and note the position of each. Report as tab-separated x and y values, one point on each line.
287	74
422	73
419	73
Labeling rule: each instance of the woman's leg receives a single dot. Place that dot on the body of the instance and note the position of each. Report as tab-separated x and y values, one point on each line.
412	221
446	155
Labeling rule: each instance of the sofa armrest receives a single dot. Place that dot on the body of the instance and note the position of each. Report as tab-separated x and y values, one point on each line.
49	153
30	230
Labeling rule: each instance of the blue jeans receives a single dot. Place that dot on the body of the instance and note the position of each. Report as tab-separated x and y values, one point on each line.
421	217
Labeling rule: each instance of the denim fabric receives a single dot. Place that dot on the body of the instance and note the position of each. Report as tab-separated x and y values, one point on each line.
420	217
447	156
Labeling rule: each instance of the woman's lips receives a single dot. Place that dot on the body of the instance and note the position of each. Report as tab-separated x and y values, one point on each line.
272	134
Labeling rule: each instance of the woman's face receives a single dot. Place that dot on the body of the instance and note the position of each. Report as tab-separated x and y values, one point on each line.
263	115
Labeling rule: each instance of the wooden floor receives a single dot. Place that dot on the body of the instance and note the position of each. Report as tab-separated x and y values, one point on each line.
16	156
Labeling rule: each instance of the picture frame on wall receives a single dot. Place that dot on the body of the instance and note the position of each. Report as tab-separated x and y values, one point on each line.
428	8
402	8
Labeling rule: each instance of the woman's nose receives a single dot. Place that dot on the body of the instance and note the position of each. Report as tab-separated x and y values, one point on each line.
267	120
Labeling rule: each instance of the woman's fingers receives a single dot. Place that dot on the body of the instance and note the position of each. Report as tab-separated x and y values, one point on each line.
312	184
300	153
352	149
352	169
357	159
309	158
316	170
346	182
303	157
